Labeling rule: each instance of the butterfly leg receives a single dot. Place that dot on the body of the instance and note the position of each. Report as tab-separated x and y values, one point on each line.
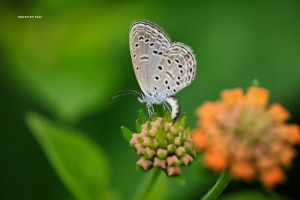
150	109
166	105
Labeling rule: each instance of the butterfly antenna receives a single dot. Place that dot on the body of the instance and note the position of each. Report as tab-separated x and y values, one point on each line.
124	93
127	92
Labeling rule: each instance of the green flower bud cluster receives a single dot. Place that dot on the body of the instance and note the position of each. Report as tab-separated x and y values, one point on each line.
162	144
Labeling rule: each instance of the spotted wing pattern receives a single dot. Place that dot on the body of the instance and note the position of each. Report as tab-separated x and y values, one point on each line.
147	45
174	71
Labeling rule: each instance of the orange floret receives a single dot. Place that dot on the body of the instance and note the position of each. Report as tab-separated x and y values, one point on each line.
199	139
278	112
286	156
257	96
271	177
232	96
215	160
207	109
243	170
293	133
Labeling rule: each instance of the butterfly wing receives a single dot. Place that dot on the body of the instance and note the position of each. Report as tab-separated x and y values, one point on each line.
175	70
147	44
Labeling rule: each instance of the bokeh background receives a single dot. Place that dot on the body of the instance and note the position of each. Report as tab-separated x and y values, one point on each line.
68	63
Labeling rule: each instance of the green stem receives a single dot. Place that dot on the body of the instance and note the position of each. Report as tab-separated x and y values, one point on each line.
219	186
147	185
273	194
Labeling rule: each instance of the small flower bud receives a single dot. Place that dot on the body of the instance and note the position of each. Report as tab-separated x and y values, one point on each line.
162	153
177	141
188	146
160	163
143	162
153	131
171	148
146	141
186	159
154	144
174	131
172	160
134	139
180	151
139	149
162	143
148	153
170	137
173	170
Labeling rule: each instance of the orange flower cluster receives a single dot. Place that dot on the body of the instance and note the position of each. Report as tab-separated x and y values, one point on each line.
241	134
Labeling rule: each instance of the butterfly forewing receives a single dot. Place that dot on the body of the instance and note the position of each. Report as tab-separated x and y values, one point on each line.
174	71
147	44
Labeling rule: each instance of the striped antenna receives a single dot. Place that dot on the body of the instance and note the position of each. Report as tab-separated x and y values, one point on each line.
124	93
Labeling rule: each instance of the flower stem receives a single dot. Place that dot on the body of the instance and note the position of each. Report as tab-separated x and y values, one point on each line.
147	185
219	186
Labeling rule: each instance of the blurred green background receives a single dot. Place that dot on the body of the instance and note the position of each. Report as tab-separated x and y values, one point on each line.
68	63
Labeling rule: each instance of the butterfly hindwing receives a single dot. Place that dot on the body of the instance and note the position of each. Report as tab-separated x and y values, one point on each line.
174	71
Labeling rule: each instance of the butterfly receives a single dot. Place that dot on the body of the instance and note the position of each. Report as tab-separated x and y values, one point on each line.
162	68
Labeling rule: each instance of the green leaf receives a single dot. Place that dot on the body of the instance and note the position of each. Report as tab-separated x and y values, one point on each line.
79	162
176	125
177	179
126	133
182	121
194	162
154	117
159	109
168	117
187	131
149	126
138	126
142	117
141	169
255	83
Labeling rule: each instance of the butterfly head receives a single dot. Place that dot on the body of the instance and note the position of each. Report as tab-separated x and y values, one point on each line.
142	97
